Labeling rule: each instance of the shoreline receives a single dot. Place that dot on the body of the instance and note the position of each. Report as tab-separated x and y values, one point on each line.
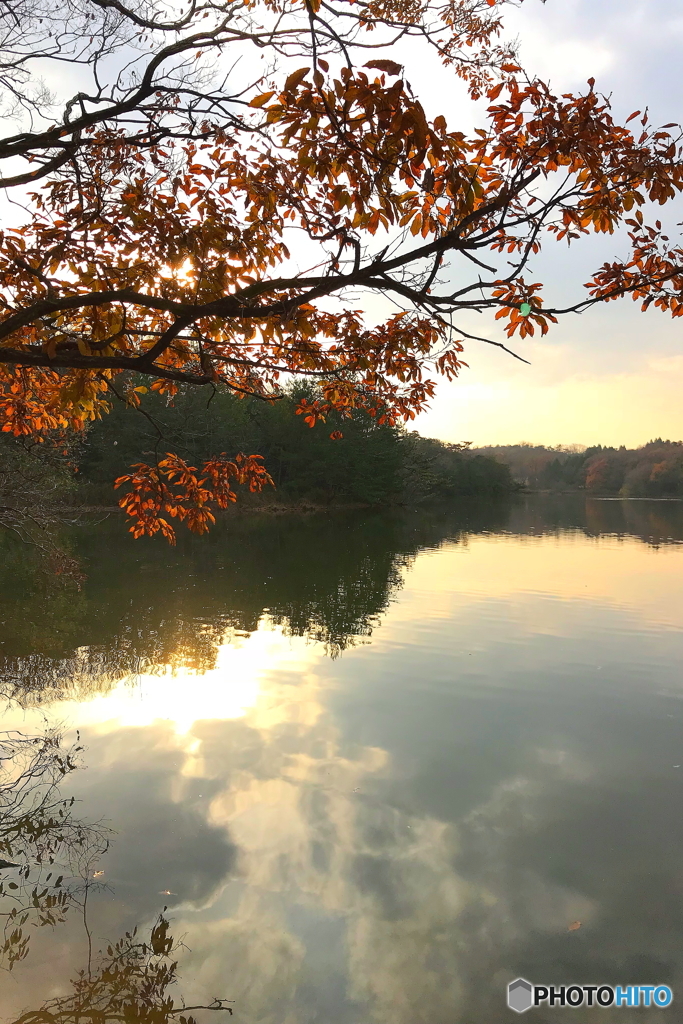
312	507
598	497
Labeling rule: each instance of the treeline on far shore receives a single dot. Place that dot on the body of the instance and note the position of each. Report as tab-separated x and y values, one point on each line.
371	464
654	470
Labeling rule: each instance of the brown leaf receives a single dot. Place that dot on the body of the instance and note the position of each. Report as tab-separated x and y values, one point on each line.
390	66
295	79
574	926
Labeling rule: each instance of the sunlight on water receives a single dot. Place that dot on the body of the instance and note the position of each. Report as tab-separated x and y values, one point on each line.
236	687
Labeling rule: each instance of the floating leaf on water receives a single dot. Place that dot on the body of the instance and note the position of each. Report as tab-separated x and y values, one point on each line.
574	926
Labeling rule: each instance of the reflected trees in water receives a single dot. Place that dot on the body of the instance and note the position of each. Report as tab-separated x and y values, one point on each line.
327	577
50	855
41	834
130	983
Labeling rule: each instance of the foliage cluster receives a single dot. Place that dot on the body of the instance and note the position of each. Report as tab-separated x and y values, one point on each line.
655	470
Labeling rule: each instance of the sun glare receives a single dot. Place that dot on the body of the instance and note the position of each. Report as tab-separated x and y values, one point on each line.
237	686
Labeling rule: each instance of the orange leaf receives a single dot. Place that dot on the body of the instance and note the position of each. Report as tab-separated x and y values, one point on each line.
258	101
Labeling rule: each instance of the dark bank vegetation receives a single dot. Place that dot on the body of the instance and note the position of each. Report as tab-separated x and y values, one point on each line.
38	493
654	470
369	464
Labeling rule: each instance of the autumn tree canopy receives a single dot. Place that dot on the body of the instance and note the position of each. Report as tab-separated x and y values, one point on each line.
230	181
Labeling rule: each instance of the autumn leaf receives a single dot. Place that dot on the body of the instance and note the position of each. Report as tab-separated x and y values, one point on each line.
259	101
574	926
390	66
295	79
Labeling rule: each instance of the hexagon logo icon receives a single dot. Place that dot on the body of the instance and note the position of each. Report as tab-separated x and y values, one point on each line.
520	995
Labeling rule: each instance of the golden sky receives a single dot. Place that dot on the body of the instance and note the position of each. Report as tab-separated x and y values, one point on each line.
496	403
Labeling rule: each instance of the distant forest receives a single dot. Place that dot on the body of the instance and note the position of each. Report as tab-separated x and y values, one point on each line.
370	464
653	471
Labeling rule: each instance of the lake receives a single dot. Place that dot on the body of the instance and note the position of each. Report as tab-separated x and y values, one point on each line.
376	765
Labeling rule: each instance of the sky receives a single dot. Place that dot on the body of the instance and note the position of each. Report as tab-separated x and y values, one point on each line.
612	375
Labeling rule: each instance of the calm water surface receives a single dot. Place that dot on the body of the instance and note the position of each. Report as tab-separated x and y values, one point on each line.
375	765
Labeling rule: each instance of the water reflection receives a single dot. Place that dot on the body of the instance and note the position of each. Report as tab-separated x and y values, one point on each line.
394	833
328	578
48	853
132	982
